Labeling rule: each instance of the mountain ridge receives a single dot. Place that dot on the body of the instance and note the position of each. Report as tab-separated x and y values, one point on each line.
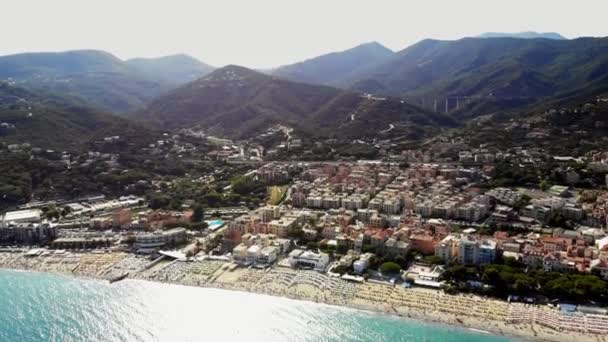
487	68
523	35
97	77
52	121
329	69
176	69
239	102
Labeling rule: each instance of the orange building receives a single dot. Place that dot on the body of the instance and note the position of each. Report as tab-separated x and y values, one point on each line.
423	243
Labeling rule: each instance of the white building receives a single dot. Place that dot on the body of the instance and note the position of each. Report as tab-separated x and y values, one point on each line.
362	264
600	266
308	259
253	254
22	216
268	255
156	240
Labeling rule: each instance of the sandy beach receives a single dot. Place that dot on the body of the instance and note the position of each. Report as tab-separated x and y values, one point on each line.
473	312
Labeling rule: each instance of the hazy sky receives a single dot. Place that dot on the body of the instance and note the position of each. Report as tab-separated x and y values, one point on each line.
259	33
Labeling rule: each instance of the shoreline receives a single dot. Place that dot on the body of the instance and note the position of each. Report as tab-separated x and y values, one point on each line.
476	314
368	309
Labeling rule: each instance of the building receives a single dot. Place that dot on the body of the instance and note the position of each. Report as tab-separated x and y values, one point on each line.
487	252
269	213
423	243
268	255
253	254
395	248
362	264
82	242
447	249
239	254
425	275
308	259
473	251
282	226
28	233
539	213
559	190
152	241
22	216
365	215
599	267
121	218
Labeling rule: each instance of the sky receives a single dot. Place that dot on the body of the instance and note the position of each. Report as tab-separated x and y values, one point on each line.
270	33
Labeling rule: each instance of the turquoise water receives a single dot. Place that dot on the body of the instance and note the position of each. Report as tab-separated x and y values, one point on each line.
215	224
44	307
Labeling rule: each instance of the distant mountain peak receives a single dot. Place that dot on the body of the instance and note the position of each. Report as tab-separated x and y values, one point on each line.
234	68
371	45
331	68
230	73
173	70
523	35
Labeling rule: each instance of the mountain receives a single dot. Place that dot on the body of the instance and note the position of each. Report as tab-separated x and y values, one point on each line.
523	35
239	102
53	122
571	126
331	68
97	77
500	73
174	70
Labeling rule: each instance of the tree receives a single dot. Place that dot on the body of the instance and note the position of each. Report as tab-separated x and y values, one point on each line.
53	214
523	201
245	185
312	245
404	165
390	268
65	211
198	214
295	233
312	221
433	260
157	202
199	226
544	185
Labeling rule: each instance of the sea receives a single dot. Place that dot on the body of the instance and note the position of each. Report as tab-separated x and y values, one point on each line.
46	307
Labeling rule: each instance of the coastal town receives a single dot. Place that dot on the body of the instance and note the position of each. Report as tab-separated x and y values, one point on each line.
420	239
227	171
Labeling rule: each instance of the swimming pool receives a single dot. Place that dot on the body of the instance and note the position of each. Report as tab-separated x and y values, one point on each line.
215	224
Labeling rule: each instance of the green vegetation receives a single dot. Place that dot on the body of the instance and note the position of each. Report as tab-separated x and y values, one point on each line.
523	201
571	126
231	189
390	268
173	70
99	78
188	225
433	260
50	121
511	279
335	67
198	214
312	110
502	74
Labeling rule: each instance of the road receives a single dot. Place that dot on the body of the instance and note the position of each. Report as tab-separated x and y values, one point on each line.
390	128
